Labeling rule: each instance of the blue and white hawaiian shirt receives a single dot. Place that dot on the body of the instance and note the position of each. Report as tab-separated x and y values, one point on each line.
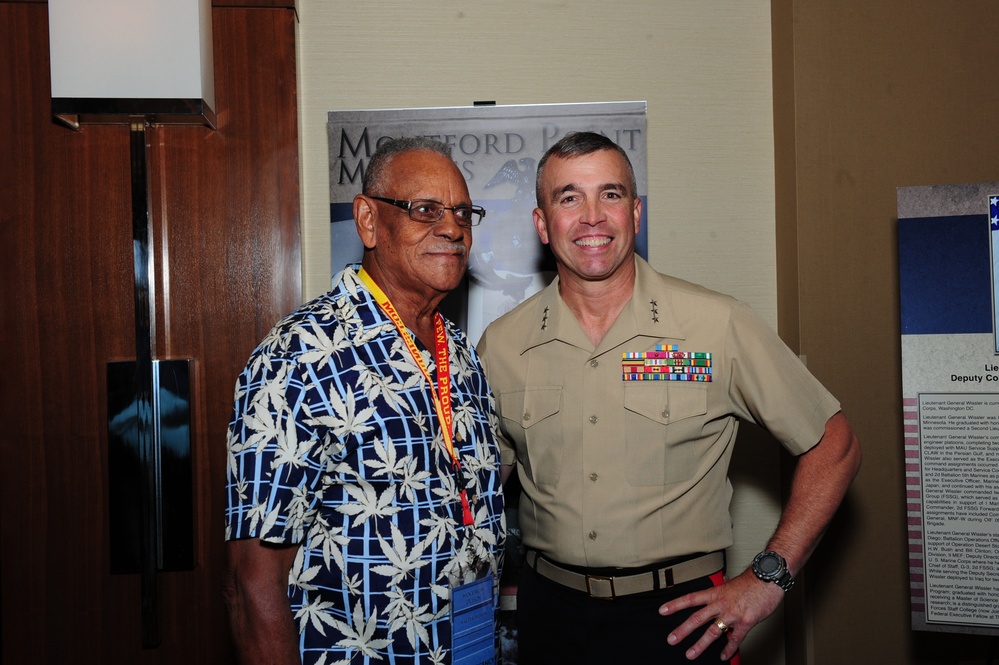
335	444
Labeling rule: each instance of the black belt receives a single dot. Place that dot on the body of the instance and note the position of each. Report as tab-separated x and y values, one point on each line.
602	586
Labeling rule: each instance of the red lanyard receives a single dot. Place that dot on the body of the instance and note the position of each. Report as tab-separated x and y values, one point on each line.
442	394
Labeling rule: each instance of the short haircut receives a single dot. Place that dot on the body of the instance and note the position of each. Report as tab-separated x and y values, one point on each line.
577	144
374	175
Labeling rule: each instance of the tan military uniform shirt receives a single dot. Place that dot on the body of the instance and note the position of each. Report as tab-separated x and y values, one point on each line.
628	473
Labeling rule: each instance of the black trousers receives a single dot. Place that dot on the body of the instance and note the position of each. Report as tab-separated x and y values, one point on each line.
560	625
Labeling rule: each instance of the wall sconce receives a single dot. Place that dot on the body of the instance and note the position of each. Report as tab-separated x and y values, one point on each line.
111	59
140	62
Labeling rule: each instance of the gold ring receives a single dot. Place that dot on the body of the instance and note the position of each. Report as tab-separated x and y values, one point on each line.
721	626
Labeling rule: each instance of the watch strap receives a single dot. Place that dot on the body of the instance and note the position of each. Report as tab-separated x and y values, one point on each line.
785	582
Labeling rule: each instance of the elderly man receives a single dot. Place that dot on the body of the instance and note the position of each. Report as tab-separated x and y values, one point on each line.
365	515
619	392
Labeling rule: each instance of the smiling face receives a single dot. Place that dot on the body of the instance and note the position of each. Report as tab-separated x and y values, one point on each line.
589	216
414	262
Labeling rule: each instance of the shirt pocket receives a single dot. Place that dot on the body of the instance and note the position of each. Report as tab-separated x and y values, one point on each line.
530	420
662	430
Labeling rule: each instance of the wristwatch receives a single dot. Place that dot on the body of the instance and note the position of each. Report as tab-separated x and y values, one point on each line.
771	567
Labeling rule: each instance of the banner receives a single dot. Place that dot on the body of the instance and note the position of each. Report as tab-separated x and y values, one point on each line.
497	149
948	259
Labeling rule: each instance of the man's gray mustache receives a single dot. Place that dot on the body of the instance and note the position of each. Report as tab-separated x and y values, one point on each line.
448	247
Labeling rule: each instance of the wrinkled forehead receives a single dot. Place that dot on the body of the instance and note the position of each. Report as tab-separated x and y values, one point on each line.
425	174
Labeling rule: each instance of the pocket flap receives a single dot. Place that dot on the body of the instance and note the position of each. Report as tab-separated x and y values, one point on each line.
665	403
531	406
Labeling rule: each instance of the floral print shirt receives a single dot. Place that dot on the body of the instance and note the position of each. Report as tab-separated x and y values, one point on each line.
335	445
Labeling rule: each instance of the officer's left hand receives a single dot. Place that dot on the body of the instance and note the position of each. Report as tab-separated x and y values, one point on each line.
739	604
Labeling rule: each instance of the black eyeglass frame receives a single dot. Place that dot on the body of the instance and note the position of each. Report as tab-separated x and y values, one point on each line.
478	213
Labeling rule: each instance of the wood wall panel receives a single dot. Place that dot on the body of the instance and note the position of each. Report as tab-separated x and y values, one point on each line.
879	95
226	250
58	309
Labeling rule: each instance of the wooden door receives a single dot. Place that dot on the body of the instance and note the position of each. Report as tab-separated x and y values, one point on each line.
226	256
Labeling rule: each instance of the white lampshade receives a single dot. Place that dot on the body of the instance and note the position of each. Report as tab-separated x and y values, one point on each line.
114	58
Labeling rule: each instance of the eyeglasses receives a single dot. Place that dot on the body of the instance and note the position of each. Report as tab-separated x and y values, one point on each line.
426	211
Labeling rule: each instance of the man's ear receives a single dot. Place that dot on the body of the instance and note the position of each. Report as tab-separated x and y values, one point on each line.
637	213
540	226
365	220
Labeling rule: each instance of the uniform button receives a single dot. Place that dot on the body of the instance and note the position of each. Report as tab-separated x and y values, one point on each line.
592	535
593	420
594	363
665	413
527	416
593	477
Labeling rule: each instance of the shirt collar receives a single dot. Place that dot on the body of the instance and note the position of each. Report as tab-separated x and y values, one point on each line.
647	314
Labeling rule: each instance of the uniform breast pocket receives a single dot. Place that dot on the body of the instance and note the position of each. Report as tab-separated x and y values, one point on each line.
662	426
530	418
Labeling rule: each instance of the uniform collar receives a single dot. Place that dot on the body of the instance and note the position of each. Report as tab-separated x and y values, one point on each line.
647	314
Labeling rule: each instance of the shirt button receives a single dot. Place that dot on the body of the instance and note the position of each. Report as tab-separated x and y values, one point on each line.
593	420
592	535
527	416
593	477
594	363
666	413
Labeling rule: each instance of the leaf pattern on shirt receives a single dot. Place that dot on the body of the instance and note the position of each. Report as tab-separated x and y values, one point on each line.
463	368
345	419
402	559
359	633
301	575
330	541
270	520
314	613
264	424
375	385
232	447
289	449
322	660
323	348
402	614
368	502
482	459
409	478
299	510
464	420
441	527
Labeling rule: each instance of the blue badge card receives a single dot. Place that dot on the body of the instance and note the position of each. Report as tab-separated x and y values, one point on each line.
473	623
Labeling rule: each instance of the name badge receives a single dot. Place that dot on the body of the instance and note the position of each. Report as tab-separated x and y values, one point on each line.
473	623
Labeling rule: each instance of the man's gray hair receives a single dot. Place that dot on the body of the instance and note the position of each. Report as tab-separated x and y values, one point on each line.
374	175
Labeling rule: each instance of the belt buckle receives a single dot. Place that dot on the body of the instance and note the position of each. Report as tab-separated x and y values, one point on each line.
600	578
666	578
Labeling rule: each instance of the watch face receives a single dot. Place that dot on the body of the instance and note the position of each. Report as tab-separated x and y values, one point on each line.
769	565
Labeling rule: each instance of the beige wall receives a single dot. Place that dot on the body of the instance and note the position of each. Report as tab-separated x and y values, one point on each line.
703	68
